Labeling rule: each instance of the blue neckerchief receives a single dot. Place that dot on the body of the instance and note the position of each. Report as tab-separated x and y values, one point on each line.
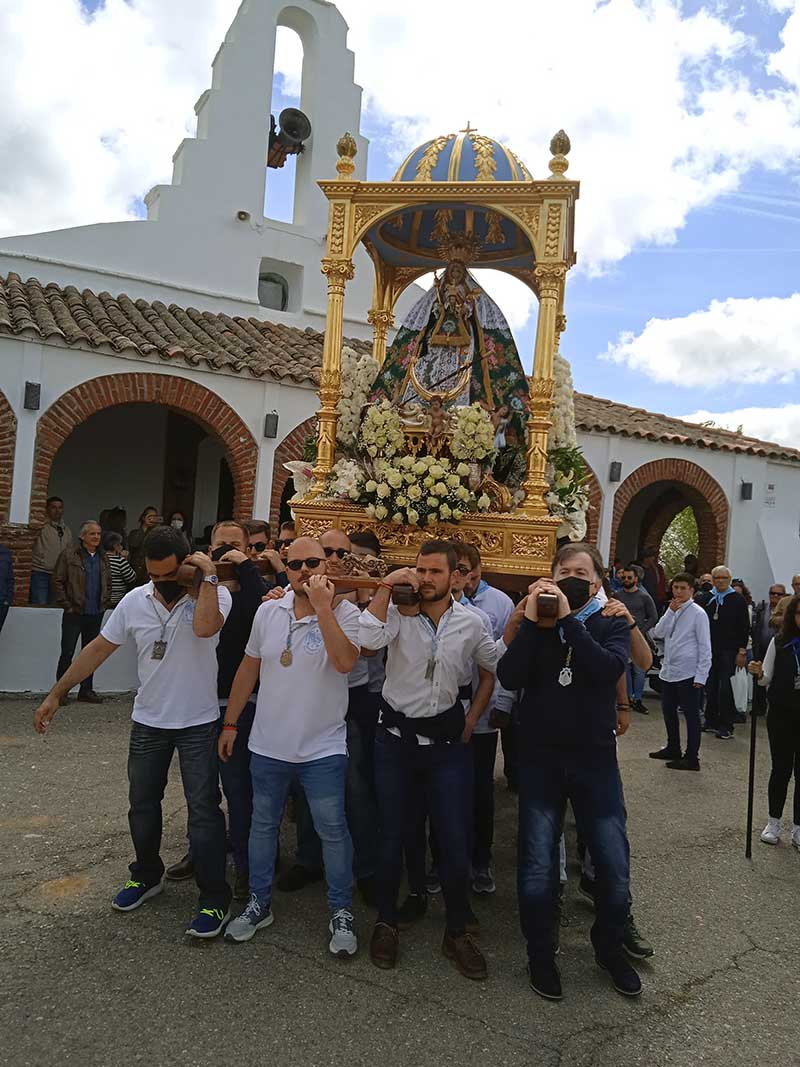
482	584
585	613
718	597
794	644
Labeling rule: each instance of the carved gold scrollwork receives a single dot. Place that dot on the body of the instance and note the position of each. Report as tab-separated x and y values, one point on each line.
485	163
363	214
313	527
530	217
541	391
536	545
494	232
552	237
336	234
442	218
430	158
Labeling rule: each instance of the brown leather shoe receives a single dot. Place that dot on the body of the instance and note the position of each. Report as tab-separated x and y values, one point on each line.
465	954
88	696
384	946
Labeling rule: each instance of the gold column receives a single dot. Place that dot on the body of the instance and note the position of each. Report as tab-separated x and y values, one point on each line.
338	272
381	320
550	279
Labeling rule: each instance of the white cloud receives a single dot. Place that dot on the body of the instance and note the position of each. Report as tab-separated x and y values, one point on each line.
749	341
779	424
661	117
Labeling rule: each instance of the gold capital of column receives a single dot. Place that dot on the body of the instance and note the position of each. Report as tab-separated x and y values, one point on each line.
549	279
338	272
381	320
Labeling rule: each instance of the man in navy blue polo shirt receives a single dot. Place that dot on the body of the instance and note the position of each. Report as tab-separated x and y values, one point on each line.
567	751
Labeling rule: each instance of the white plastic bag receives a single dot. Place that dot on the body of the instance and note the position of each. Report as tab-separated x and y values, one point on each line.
740	689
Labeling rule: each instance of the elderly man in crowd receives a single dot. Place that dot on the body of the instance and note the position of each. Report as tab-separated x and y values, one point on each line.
82	587
730	632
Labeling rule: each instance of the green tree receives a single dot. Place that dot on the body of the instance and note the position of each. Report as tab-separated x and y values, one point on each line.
681	539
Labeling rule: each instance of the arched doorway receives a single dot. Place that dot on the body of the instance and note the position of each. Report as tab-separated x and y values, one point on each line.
291	447
158	399
649	499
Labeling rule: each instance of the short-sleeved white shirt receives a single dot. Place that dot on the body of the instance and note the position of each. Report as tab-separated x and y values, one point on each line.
179	690
301	708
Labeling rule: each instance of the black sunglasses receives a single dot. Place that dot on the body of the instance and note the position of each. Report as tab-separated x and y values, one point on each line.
462	569
296	564
340	552
282	541
259	546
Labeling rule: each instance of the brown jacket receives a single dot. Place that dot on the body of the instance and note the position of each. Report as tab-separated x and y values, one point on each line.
69	581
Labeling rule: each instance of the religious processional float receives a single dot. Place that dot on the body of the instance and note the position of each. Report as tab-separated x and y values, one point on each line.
443	435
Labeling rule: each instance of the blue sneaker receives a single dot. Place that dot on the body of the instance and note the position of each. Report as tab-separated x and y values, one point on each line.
208	922
256	915
134	894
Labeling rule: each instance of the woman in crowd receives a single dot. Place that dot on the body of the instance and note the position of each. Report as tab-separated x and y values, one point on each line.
178	520
147	521
781	672
123	576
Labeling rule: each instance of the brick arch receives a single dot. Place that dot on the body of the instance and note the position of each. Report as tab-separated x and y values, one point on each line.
181	394
8	442
291	447
595	506
684	484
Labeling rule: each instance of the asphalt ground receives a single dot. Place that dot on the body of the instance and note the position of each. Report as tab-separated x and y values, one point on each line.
82	984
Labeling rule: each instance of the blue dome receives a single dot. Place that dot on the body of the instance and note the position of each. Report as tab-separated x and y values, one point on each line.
467	156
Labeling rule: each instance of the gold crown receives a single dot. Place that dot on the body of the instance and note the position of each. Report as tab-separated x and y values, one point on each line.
460	248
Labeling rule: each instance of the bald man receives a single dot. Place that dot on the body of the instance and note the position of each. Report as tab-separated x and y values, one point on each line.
302	649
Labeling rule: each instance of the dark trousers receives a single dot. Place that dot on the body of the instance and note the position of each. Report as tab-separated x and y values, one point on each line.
445	771
149	757
484	752
73	626
783	730
238	788
720	706
675	695
360	802
590	779
3	613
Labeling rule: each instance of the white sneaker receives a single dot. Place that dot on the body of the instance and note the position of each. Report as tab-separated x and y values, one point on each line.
343	940
771	834
796	837
255	916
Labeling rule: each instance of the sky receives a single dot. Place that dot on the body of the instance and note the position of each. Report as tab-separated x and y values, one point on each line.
685	126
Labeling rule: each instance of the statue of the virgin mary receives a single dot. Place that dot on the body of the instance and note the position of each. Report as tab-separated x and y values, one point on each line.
455	345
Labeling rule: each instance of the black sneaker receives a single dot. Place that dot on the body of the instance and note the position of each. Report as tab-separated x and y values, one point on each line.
739	717
634	944
637	705
413	908
297	877
724	735
684	764
623	976
586	888
545	979
665	753
181	870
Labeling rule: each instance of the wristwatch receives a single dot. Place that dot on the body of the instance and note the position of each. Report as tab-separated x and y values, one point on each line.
212	579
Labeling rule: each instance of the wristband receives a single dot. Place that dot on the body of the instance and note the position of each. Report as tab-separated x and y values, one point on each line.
385	585
632	626
230	726
623	707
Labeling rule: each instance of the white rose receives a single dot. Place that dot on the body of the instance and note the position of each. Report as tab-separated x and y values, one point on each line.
457	514
453	481
462	492
371	486
429	482
432	502
401	501
354	494
420	467
414	492
412	516
381	512
462	469
395	479
440	489
371	510
436	470
397	517
445	511
484	502
383	490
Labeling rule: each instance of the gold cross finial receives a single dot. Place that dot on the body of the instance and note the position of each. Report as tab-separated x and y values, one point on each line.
468	128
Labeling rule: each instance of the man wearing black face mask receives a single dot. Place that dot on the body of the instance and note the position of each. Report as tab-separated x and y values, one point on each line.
704	591
567	751
176	634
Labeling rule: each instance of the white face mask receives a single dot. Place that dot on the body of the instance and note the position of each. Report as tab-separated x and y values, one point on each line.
178	524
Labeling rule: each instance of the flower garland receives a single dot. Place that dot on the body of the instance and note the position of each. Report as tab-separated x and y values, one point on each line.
358	374
568	497
473	437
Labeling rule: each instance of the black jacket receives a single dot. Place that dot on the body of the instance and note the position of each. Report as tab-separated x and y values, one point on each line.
731	630
578	715
236	631
782	693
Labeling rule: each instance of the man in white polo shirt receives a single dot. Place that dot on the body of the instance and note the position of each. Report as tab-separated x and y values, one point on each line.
176	634
302	649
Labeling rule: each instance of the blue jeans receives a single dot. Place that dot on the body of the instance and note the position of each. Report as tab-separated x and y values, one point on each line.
40	588
682	695
360	804
149	757
636	679
445	773
590	779
323	781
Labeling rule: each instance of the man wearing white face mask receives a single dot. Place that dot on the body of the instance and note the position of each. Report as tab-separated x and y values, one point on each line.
567	751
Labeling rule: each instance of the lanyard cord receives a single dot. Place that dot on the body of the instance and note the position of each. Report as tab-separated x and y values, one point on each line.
170	614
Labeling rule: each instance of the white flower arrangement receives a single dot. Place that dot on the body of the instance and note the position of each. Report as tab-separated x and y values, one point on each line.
563	434
381	431
358	374
424	492
473	438
346	480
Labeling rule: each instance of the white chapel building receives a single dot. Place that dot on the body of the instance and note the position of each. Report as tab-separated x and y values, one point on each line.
139	360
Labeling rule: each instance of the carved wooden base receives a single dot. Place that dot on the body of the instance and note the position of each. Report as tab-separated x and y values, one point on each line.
514	549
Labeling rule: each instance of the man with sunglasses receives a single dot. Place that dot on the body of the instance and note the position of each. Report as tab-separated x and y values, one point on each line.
301	648
421	741
362	815
259	546
286	535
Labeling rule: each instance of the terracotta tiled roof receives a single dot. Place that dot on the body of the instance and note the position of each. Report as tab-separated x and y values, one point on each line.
285	353
606	416
199	338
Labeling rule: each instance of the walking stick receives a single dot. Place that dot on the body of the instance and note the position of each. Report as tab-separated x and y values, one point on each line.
748	848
